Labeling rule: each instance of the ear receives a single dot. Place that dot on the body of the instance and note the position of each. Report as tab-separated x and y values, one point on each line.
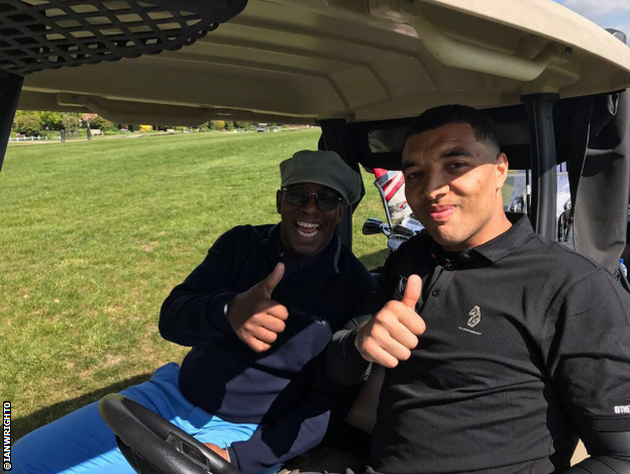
339	211
279	201
502	165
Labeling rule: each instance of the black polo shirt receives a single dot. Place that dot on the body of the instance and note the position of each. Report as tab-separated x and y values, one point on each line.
527	343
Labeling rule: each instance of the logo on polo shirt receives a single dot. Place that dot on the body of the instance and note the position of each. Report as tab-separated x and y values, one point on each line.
475	317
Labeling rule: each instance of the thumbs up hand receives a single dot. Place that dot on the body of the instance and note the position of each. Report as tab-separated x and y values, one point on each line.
255	317
393	332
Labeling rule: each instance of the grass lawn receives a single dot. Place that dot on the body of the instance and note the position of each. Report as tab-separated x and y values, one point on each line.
94	237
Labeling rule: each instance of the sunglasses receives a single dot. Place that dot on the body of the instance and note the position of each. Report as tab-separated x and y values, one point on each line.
326	200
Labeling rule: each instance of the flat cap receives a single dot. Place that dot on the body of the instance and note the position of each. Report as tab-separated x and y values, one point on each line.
325	168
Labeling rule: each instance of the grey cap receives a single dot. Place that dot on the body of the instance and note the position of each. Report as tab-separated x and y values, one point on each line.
325	168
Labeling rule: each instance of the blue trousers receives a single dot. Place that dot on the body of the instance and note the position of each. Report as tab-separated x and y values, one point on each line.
82	442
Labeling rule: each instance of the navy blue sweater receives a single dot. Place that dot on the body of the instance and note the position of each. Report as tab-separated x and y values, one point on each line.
284	389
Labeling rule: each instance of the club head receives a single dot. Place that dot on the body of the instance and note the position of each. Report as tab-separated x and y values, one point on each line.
375	226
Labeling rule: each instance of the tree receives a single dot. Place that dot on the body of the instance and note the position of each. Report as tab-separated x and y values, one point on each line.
51	120
27	123
100	123
217	124
71	123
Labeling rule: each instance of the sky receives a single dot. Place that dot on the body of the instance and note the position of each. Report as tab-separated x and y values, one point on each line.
606	13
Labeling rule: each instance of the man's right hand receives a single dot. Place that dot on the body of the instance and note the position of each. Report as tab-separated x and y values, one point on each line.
255	317
393	332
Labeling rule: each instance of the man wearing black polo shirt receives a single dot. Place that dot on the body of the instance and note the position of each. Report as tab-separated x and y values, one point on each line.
501	347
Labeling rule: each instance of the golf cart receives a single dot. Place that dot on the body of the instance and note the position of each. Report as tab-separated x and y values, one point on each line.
553	82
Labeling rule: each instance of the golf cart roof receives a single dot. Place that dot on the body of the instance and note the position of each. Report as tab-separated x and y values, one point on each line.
310	60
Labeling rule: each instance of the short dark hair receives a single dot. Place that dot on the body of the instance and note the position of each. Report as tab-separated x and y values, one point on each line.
482	125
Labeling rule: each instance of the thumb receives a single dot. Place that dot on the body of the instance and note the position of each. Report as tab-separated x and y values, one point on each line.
413	290
269	284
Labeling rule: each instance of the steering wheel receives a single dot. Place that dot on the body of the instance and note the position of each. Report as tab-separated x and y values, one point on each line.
153	445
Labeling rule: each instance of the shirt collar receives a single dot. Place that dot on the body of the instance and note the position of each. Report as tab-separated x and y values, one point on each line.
269	243
494	250
504	244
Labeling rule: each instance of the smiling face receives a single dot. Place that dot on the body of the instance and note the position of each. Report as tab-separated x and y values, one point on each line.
453	184
306	230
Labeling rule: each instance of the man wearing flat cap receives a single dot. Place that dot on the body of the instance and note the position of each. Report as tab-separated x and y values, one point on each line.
258	313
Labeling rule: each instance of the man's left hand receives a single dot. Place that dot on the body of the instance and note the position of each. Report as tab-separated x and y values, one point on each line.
220	451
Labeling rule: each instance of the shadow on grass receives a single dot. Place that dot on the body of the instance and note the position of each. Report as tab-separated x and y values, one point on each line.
24	425
375	259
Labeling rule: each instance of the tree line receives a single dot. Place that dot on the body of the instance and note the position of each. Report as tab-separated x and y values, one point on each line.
36	123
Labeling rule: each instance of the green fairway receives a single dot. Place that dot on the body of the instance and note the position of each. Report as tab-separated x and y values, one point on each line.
94	237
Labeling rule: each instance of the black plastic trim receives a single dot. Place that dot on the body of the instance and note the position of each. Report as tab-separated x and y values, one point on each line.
543	151
10	88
